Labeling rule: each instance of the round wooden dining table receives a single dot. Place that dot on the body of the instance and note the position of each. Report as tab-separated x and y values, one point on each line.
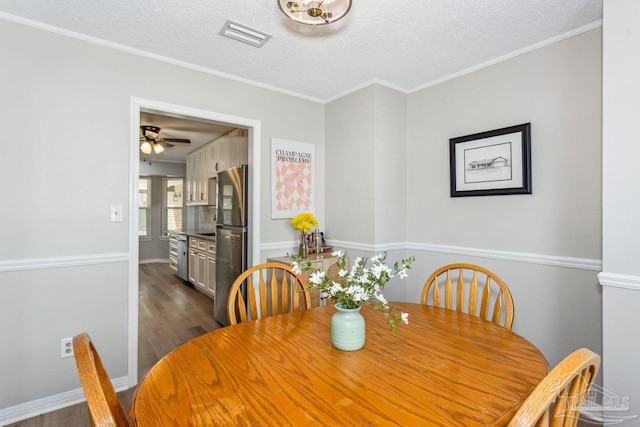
443	368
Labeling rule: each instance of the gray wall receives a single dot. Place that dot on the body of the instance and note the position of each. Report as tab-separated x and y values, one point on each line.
546	246
390	165
558	89
621	223
65	117
365	180
350	189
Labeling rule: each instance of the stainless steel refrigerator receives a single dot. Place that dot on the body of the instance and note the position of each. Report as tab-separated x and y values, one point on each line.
231	236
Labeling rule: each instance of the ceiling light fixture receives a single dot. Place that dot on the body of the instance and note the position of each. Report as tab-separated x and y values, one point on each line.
145	147
157	148
150	140
315	12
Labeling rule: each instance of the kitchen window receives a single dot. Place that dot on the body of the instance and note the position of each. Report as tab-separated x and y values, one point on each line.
144	206
172	190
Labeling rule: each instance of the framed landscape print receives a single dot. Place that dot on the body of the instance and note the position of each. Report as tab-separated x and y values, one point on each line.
491	163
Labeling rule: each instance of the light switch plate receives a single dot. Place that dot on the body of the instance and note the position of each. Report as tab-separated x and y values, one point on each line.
116	213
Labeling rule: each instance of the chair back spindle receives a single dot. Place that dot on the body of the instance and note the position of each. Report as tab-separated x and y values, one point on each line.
279	290
491	300
556	401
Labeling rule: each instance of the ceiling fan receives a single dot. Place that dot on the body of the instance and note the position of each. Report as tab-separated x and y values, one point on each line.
150	140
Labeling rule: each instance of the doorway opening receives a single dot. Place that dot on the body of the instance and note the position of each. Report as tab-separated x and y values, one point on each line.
137	106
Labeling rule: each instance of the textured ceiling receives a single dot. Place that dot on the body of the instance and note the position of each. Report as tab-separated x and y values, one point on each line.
406	45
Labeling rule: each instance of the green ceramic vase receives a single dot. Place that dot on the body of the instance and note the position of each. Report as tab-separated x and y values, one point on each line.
347	329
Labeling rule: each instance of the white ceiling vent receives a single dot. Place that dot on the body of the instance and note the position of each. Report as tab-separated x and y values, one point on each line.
244	34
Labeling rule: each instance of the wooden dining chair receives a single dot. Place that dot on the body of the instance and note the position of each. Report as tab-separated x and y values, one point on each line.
332	274
473	284
557	399
278	290
104	406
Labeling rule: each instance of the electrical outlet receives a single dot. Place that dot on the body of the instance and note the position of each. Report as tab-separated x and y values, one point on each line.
66	347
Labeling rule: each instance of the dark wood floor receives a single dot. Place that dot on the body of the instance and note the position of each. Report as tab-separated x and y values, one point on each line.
170	314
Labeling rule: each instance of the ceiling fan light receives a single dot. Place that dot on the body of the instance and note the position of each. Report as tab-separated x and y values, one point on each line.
315	12
158	148
146	147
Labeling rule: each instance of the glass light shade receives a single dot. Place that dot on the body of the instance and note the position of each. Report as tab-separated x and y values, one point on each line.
315	12
146	147
158	148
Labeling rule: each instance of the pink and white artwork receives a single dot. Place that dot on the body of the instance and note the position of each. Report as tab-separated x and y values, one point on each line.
291	178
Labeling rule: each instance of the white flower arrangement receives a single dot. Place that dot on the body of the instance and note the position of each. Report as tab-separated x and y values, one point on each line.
361	284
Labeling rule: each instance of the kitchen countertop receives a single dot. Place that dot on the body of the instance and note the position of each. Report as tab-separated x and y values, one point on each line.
207	235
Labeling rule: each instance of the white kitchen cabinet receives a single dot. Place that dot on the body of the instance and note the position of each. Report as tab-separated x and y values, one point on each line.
222	145
202	264
212	163
238	149
204	163
191	180
198	178
210	287
231	150
193	265
202	271
202	176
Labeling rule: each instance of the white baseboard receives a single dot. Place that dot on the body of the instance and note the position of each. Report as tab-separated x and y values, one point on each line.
37	407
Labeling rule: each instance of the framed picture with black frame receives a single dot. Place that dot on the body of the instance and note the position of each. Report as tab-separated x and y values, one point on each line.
492	163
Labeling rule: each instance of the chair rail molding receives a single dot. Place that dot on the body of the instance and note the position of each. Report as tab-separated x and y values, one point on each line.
368	247
548	260
62	262
619	281
293	246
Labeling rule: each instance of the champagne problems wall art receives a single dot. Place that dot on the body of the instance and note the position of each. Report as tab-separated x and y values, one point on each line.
292	180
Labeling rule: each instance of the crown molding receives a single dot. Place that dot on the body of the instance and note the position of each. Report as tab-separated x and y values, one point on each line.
143	53
365	85
511	55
